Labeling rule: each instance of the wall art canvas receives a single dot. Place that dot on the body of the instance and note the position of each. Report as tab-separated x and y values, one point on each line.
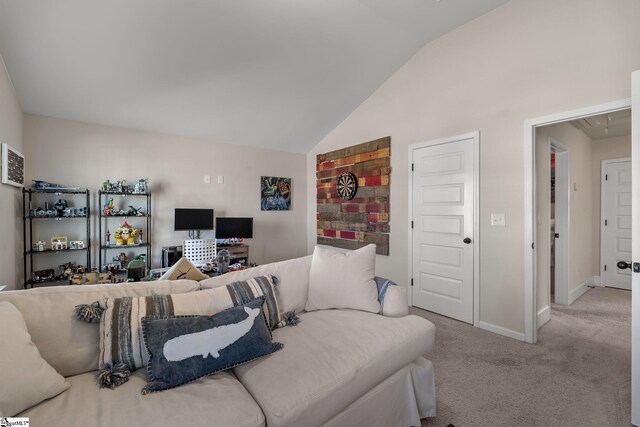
275	193
12	166
352	193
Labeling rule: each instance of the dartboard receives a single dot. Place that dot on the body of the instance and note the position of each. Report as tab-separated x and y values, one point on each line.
347	185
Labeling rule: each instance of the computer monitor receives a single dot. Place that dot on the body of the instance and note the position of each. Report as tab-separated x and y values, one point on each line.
228	228
193	220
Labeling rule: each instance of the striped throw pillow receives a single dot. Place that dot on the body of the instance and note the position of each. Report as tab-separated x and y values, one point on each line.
121	338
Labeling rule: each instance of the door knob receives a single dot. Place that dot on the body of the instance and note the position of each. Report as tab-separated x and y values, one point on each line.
622	265
467	240
557	235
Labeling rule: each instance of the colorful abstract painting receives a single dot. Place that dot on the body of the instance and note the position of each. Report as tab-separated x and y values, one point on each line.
275	193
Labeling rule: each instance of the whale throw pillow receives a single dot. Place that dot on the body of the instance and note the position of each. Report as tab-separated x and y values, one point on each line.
184	348
120	325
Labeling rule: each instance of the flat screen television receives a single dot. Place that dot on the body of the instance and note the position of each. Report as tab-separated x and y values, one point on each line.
193	219
228	228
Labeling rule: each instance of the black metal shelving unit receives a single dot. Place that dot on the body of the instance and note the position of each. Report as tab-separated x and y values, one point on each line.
28	195
103	247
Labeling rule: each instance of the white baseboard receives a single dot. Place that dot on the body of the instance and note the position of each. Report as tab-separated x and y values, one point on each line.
501	331
583	287
597	281
544	315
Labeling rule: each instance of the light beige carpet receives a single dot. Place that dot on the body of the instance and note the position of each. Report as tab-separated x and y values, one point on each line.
578	374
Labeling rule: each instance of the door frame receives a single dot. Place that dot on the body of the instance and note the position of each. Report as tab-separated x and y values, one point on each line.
563	227
476	214
530	125
603	169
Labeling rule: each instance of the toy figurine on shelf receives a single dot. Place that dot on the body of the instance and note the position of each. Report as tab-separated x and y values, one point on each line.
107	210
67	270
122	259
140	236
135	212
60	206
125	230
113	269
141	187
108	239
118	237
132	237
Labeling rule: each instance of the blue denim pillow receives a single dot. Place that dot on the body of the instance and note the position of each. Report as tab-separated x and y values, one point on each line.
184	348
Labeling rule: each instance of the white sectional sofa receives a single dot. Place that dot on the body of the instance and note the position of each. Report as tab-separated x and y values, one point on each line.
337	367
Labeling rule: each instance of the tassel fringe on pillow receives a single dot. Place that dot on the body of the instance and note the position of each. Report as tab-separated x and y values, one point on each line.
90	313
111	376
290	319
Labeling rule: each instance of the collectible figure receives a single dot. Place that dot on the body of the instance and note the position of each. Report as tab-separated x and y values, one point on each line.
67	270
118	237
141	187
132	237
122	259
108	239
60	206
107	210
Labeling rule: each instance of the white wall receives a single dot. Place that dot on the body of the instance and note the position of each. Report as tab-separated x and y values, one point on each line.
82	154
523	60
604	149
10	197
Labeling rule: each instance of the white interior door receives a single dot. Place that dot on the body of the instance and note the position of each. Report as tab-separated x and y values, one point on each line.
616	223
635	277
443	228
562	214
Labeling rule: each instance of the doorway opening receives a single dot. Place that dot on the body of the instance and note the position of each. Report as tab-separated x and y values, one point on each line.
566	232
570	156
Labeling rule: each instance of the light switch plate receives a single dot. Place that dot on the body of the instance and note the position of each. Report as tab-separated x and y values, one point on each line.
207	179
498	220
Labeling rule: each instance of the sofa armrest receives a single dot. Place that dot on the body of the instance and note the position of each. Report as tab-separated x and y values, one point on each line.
392	298
395	302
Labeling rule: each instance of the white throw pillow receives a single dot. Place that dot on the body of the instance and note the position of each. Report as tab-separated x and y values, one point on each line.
343	279
26	378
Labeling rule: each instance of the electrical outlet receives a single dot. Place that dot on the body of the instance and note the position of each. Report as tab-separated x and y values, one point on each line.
498	220
207	179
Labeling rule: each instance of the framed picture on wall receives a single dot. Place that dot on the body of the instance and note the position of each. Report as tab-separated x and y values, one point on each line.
275	193
12	166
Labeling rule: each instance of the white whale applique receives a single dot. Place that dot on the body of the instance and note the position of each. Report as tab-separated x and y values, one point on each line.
209	342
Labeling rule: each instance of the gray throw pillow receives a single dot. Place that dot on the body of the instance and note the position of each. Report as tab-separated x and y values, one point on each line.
184	348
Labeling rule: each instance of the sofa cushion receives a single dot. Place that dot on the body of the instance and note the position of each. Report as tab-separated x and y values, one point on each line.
292	275
329	360
215	401
121	337
343	279
26	378
238	293
184	348
68	344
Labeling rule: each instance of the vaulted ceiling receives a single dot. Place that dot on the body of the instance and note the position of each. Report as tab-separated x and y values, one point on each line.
278	74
